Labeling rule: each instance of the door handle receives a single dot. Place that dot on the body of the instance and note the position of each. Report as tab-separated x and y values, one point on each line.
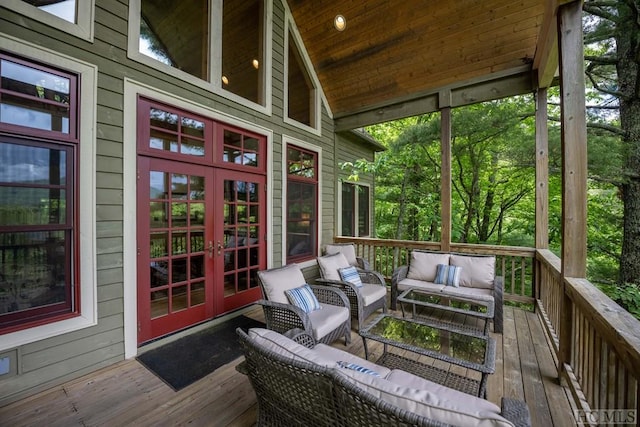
211	249
220	247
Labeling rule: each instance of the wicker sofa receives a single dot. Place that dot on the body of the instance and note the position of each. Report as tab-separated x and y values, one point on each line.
298	384
477	279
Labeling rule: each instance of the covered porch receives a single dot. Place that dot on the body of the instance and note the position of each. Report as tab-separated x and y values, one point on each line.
127	393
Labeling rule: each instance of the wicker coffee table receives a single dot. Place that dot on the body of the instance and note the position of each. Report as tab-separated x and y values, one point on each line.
433	304
438	341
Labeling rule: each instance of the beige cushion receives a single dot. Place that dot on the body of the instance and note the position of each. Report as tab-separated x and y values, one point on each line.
349	251
477	271
328	318
405	284
423	265
282	345
330	264
477	294
372	293
430	400
276	281
331	353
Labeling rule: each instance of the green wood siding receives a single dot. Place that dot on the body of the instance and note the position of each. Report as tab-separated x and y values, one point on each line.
47	362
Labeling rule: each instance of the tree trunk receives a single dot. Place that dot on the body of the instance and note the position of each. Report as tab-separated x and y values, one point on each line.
485	221
628	70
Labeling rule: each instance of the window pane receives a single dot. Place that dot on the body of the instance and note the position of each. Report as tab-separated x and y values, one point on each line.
240	149
299	87
33	270
177	34
65	9
32	185
301	163
38	99
242	59
363	210
347	209
301	219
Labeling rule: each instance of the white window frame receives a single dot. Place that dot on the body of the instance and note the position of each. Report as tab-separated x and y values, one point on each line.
215	55
132	90
286	141
356	207
315	110
84	15
88	87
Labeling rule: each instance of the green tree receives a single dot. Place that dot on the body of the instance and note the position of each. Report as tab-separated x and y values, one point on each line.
612	52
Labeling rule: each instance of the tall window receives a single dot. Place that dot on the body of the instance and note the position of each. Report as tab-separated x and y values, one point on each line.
38	223
302	203
355	210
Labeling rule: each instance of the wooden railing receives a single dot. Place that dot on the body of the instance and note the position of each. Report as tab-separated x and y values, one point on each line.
596	343
515	264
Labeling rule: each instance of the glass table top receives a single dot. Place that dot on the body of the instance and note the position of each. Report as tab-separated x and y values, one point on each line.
429	339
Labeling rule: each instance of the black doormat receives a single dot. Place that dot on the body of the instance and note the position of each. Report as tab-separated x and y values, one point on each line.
184	361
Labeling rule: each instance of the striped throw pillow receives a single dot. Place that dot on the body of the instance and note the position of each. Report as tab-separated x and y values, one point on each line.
358	368
448	275
304	298
350	274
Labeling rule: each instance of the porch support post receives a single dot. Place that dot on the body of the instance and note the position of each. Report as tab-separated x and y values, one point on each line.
542	184
445	170
574	164
542	171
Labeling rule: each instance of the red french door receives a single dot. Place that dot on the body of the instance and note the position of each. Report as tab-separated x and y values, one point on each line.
175	277
200	243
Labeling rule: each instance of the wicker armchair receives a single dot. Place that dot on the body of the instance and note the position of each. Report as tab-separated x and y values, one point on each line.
293	392
365	299
326	325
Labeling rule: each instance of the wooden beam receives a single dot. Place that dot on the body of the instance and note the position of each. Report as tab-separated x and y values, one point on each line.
545	61
499	85
445	178
574	141
574	166
542	171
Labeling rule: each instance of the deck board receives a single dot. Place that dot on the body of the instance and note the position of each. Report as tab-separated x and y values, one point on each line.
127	393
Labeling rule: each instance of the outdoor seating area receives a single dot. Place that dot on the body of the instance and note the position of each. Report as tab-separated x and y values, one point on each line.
127	393
471	277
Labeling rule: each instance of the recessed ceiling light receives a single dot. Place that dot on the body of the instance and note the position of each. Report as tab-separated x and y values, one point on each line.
225	80
255	63
339	22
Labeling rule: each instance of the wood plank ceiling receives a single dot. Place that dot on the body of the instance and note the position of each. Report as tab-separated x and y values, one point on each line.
397	50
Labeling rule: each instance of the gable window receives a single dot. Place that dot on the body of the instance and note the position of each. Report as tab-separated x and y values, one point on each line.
302	100
355	210
39	279
302	203
72	16
222	44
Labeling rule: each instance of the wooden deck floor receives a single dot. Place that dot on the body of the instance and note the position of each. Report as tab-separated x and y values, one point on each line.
128	394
